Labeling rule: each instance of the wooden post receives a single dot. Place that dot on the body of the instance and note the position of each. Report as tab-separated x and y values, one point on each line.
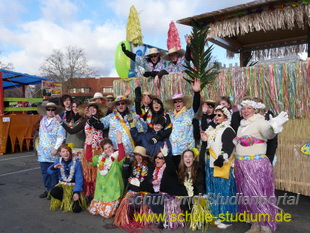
1	96
308	39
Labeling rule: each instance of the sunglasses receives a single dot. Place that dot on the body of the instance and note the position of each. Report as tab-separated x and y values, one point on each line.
122	103
51	109
178	101
152	56
159	157
109	100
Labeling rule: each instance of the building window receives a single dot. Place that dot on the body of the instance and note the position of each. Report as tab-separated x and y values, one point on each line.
80	90
107	90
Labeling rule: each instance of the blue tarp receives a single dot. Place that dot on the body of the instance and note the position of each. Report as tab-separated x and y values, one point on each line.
12	79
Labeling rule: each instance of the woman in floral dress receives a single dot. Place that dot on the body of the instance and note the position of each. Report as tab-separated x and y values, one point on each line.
109	182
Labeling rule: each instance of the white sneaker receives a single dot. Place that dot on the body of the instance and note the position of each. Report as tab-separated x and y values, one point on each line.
223	225
217	222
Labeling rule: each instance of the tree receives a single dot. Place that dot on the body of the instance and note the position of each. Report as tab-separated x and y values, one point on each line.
62	66
8	66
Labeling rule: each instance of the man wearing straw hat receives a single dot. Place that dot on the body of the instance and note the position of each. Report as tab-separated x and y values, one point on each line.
51	135
119	120
152	63
182	137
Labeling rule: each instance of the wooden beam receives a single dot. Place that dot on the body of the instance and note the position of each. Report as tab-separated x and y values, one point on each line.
308	40
224	44
277	43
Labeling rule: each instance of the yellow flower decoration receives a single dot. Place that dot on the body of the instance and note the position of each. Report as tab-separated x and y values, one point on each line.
71	145
195	152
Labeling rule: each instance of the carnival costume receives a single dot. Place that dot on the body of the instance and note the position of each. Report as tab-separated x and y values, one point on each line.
70	182
140	184
109	183
118	122
51	136
253	170
219	149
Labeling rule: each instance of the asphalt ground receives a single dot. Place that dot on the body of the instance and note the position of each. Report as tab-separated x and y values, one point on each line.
21	209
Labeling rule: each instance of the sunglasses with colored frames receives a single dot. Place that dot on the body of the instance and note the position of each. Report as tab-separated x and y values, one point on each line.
158	157
51	109
122	103
178	101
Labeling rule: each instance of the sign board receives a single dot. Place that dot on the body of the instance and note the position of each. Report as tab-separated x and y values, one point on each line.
51	89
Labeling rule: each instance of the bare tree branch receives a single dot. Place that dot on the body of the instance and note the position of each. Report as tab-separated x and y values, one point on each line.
64	65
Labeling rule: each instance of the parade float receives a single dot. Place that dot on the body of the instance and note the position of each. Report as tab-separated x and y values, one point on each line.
260	29
17	119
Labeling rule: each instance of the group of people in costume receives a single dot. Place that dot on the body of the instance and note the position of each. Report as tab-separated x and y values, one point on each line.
123	150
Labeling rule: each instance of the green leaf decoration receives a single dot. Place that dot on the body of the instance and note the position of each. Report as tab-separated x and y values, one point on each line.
198	67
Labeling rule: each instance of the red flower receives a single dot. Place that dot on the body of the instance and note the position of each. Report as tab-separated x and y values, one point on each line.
112	158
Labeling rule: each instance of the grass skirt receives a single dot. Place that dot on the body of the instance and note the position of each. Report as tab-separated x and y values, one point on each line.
128	208
255	178
220	190
105	209
67	201
89	175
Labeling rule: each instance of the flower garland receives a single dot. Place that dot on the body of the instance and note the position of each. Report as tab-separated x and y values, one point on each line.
158	175
105	163
140	171
71	174
211	132
246	122
188	183
118	116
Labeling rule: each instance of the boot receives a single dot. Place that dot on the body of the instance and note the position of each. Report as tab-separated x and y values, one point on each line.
265	229
255	228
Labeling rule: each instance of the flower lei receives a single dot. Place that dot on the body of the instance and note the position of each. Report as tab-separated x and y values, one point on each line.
118	116
245	122
158	175
105	163
213	132
71	174
188	183
140	171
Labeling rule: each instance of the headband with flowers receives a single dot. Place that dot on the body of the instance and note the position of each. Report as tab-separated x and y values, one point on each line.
251	103
260	105
225	111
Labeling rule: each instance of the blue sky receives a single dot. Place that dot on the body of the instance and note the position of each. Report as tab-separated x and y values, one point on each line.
32	29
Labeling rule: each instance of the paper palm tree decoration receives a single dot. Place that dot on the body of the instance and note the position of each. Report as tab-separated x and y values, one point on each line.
133	29
200	58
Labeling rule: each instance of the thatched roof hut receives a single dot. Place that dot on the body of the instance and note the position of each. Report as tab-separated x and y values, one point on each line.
265	28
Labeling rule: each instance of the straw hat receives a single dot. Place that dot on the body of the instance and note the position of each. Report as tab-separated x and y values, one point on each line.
110	97
41	109
209	102
187	100
181	53
140	150
103	108
121	98
98	95
155	51
149	94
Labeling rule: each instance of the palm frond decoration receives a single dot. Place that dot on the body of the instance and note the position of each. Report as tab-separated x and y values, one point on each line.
199	67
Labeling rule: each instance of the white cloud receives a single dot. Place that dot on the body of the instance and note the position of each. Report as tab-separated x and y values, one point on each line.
58	10
33	41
